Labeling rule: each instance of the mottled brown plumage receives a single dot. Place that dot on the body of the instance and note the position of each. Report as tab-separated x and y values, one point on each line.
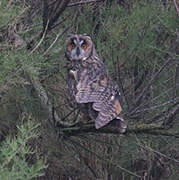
88	82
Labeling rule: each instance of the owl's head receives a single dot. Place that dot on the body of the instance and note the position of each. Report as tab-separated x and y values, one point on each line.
78	47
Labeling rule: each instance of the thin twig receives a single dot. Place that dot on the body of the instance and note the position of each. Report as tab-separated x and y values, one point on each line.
41	39
169	117
72	111
151	81
159	153
157	106
101	157
58	35
58	23
83	2
151	101
176	6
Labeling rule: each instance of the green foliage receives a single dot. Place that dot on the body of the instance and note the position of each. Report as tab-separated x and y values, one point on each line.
15	150
10	10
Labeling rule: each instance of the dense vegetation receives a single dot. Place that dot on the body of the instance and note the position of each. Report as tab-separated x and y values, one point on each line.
40	134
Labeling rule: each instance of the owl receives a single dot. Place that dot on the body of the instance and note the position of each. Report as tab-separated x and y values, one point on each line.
89	85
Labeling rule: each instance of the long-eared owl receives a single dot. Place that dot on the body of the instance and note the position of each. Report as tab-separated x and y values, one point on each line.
88	83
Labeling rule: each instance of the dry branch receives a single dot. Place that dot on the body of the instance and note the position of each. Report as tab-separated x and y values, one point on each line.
53	12
151	129
83	2
176	6
57	37
153	79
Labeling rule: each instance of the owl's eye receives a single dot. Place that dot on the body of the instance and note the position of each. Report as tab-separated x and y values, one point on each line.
84	46
72	46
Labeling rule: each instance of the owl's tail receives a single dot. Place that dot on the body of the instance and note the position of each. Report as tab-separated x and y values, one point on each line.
118	124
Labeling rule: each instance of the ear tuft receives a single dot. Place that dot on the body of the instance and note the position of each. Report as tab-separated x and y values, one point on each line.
87	36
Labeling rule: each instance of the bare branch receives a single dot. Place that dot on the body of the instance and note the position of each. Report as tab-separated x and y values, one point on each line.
83	2
102	158
152	129
41	39
176	6
58	11
157	106
151	101
156	152
59	35
139	98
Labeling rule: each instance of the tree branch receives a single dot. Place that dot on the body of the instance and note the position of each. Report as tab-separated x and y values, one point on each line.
154	78
151	129
176	6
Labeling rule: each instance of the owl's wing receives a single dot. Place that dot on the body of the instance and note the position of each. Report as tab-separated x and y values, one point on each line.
104	98
91	87
109	110
71	90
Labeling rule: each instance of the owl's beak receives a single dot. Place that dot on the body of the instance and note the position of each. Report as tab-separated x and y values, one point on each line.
77	51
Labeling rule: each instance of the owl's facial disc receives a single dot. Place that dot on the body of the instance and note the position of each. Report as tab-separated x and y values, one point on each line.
78	47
